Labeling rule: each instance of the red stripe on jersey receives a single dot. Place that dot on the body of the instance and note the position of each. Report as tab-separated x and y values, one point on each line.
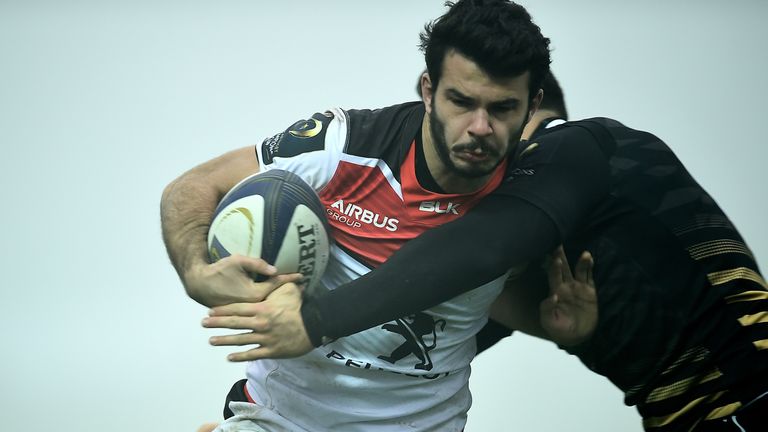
368	217
248	395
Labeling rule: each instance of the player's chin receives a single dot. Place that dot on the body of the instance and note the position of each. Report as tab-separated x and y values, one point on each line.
476	169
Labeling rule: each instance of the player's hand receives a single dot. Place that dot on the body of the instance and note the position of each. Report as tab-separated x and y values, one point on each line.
208	427
569	315
231	280
274	324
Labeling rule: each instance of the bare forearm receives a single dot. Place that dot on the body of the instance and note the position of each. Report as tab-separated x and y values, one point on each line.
187	207
186	210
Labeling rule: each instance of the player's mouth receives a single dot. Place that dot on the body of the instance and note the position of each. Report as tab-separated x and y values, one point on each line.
474	153
474	156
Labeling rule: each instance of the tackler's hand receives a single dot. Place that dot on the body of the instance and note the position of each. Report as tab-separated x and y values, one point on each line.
275	325
569	314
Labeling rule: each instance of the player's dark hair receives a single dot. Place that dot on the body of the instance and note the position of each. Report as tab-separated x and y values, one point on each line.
498	35
554	100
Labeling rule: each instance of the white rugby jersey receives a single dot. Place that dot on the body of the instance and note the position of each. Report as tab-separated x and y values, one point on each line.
408	374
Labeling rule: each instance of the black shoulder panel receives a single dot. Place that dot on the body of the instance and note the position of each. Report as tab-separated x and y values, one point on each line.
385	133
301	137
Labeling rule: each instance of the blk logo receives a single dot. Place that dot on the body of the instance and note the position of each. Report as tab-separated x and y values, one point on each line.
438	207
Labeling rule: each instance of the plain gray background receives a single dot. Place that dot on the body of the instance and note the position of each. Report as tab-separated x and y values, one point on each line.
102	103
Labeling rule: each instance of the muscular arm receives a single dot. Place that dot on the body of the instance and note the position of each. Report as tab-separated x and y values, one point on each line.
188	202
186	211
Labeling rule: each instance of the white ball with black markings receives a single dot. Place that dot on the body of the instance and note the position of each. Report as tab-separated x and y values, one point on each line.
276	216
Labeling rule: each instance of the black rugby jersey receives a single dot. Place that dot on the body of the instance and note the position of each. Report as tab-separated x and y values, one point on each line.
683	309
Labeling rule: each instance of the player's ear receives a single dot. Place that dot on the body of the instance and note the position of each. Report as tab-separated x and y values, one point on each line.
426	91
535	102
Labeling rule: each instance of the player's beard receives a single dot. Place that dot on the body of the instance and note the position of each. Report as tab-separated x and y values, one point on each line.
437	129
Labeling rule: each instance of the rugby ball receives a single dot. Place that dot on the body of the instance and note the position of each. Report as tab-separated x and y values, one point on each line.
276	216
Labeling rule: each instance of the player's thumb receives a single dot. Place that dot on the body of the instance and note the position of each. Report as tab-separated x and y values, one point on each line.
583	268
257	266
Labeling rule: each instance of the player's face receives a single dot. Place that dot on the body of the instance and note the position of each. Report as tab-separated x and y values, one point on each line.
475	120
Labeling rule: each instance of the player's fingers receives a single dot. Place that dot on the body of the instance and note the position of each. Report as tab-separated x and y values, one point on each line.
238	309
252	354
256	323
248	338
280	280
288	289
208	427
264	288
255	265
565	270
583	267
555	275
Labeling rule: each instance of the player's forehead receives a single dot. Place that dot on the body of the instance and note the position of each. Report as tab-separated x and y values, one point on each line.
461	76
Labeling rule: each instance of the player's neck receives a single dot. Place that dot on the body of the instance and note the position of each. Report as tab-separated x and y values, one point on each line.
535	121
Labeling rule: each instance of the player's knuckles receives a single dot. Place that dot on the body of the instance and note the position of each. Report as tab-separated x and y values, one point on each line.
225	321
260	324
284	279
241	339
214	321
251	355
235	322
244	309
225	265
278	283
250	338
260	293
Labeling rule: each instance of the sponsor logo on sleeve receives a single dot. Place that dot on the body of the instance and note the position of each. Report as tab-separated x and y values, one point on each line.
270	147
301	137
306	128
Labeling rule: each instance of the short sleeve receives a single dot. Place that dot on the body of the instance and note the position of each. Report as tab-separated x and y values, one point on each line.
310	148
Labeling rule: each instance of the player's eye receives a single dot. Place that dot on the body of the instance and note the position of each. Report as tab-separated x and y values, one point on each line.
461	103
503	108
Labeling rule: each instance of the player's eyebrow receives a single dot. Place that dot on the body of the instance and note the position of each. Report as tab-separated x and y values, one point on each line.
455	94
510	102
